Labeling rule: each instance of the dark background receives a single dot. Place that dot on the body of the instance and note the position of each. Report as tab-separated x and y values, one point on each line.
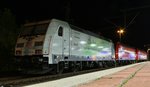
99	16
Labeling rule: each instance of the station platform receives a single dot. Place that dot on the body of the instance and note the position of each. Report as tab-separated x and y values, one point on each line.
133	75
136	76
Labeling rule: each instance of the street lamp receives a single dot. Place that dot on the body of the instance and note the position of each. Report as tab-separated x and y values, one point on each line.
120	32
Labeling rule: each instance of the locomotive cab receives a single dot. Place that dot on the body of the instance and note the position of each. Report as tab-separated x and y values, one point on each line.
37	42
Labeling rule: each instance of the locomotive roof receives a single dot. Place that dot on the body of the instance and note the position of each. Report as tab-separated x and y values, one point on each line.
88	32
38	22
72	26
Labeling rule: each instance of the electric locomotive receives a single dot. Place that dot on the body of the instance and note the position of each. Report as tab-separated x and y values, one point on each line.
55	45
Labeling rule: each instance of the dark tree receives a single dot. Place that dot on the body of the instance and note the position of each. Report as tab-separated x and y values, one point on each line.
8	35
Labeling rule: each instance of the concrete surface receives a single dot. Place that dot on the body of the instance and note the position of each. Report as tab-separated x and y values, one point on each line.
76	81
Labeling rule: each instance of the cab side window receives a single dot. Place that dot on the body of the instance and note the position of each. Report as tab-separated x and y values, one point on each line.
60	31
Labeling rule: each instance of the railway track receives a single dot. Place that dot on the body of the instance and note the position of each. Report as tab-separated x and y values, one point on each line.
27	80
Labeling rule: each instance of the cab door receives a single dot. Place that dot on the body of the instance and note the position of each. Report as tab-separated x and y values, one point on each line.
64	33
66	43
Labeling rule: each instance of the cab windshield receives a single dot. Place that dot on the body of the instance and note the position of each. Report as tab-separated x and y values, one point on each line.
31	30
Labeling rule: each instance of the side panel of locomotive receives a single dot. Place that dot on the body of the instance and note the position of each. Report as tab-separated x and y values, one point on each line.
85	47
124	52
141	55
75	45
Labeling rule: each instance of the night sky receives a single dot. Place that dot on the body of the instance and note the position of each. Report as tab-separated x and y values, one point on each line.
102	16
